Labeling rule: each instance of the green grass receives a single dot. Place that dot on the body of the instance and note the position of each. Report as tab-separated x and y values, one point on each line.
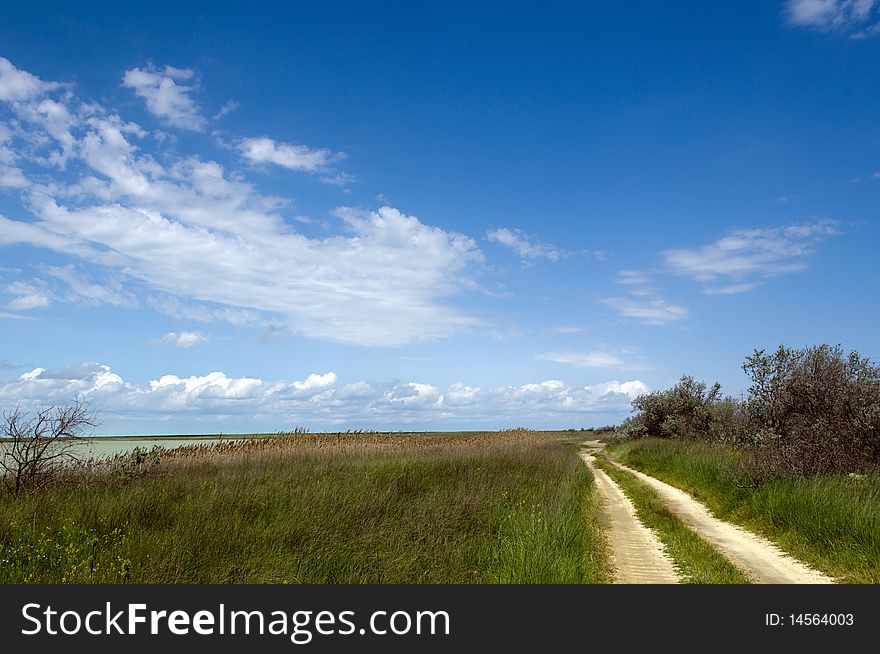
481	510
696	560
830	521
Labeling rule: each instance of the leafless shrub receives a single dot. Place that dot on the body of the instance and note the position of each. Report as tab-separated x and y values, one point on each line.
40	443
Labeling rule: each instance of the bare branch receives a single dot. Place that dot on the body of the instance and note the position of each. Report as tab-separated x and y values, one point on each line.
41	443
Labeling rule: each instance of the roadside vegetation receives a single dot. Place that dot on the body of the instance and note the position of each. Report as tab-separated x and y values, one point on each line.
509	507
797	460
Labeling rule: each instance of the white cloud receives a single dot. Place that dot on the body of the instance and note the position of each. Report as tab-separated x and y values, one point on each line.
632	389
262	150
175	308
315	382
167	95
522	244
735	263
228	107
567	329
832	15
29	297
597	359
18	85
190	239
12	177
744	258
183	340
656	311
111	292
634	277
318	400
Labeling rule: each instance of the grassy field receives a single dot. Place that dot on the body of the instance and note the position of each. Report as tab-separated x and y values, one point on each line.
831	522
696	560
516	507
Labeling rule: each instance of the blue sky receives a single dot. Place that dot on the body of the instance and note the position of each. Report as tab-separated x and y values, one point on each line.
343	215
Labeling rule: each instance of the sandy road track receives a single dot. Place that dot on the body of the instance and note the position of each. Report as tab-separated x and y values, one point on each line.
639	557
759	559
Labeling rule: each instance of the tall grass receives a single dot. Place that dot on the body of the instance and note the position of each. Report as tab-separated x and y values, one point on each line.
830	521
505	508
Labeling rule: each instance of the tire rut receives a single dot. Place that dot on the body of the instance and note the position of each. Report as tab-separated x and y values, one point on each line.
639	556
760	560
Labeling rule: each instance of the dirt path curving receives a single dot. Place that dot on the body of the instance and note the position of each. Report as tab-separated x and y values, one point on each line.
638	555
759	559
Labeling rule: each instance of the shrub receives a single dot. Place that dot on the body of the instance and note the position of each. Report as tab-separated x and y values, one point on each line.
808	412
136	463
815	410
689	410
41	444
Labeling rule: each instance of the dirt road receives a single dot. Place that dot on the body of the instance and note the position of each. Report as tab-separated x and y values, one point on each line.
759	559
639	557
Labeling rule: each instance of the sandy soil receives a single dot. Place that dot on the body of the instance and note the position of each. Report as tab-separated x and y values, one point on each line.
638	555
759	559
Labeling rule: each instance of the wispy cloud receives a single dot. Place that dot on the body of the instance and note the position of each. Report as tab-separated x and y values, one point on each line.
745	258
29	297
651	311
183	340
858	17
110	292
167	95
228	107
567	329
522	244
294	157
596	359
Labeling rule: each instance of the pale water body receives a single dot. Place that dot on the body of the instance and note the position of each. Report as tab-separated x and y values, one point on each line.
100	448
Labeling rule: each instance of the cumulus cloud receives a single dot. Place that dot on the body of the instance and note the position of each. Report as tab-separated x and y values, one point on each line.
523	245
318	399
167	95
188	238
744	258
857	16
183	340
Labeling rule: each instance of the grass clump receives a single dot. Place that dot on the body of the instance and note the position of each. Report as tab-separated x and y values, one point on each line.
486	508
830	521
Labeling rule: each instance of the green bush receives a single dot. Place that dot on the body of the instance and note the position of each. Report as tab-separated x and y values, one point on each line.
689	410
808	412
814	410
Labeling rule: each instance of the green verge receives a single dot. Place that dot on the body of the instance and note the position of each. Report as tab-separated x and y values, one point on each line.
696	560
831	522
478	513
